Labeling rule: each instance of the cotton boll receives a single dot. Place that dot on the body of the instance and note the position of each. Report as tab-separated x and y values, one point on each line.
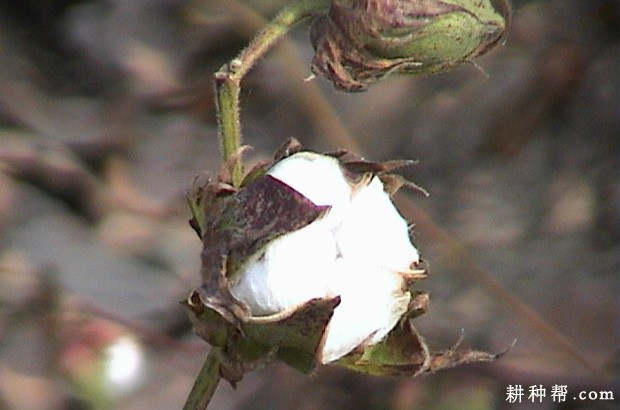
124	366
358	42
355	251
310	263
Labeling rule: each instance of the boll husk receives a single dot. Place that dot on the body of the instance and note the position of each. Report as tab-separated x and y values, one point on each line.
358	42
309	262
358	250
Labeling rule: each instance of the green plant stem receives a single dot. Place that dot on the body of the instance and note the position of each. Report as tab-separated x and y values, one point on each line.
228	78
227	85
205	383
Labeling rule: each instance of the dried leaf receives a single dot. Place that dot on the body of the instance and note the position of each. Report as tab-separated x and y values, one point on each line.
297	332
402	353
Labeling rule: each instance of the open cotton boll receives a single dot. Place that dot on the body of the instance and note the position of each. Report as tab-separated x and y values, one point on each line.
355	251
308	262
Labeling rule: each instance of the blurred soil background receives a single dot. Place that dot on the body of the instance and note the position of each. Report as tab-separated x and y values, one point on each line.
107	114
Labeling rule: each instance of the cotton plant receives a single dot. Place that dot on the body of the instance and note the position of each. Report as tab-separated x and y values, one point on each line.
305	258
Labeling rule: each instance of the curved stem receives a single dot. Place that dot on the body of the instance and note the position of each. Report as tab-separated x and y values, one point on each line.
205	383
228	78
227	85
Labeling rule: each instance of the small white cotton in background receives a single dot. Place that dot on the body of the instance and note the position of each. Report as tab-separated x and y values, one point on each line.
124	366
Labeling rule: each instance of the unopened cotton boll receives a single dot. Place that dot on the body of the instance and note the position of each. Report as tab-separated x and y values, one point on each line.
358	251
358	42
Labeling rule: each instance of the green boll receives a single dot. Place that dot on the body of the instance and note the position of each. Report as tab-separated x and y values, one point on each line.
361	41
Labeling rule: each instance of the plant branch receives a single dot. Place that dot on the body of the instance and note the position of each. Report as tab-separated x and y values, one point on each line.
228	78
205	383
227	85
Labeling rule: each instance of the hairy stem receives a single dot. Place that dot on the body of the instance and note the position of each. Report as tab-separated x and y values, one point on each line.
227	85
228	78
